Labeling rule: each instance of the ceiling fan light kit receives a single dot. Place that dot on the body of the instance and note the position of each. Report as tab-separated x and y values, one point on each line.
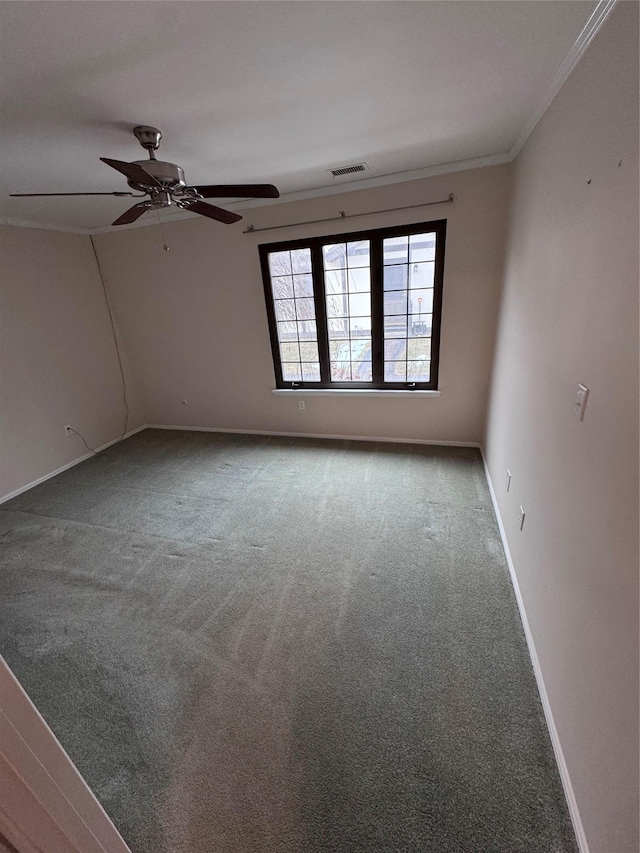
165	184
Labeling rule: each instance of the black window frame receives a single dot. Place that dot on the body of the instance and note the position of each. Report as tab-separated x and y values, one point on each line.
376	237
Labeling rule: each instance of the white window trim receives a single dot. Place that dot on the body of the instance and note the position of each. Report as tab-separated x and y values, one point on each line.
351	392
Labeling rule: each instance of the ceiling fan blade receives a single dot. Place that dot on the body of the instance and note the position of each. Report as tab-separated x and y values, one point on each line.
211	211
132	214
32	195
132	171
238	191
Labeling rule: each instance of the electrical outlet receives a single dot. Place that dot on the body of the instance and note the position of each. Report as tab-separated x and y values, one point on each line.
521	517
301	405
68	430
508	479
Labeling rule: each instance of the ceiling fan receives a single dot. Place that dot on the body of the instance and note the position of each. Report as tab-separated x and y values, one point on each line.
165	185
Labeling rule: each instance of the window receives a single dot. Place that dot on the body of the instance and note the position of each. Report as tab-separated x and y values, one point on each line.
357	310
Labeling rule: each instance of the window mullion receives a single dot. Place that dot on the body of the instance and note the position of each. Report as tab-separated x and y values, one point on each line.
377	304
317	271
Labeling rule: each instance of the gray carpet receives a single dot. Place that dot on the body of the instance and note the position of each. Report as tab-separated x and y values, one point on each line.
252	643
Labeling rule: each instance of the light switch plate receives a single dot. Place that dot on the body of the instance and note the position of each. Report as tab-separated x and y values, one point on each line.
581	401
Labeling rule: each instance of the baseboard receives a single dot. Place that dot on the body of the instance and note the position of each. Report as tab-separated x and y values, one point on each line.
569	793
77	461
317	435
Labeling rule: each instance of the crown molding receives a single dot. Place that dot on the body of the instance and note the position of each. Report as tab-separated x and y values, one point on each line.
334	189
599	15
384	180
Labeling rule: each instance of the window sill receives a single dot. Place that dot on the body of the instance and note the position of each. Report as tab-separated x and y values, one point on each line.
346	392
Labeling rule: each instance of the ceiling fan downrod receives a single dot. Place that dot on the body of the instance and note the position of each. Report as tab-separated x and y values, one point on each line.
149	137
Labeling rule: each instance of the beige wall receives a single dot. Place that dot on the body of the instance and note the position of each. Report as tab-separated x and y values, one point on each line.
58	362
570	314
195	324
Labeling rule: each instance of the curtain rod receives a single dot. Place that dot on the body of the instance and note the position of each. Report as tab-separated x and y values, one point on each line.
342	215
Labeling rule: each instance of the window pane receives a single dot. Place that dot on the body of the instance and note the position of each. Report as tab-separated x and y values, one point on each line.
395	327
362	372
421	275
420	325
419	349
289	352
418	371
287	332
361	350
337	305
359	304
335	256
395	302
280	263
309	351
409	270
395	371
360	327
423	247
307	330
335	281
301	260
395	349
338	328
305	309
311	372
359	280
420	301
291	372
285	309
340	350
282	287
358	254
395	277
341	371
348	306
395	250
294	308
303	285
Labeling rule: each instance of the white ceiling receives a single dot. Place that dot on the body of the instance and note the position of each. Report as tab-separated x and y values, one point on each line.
265	91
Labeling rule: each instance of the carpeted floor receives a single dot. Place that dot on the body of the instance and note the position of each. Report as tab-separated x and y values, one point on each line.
250	643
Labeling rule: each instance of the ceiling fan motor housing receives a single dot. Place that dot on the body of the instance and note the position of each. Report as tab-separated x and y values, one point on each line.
168	174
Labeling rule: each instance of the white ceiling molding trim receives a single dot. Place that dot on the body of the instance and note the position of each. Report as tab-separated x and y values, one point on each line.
337	189
601	12
43	226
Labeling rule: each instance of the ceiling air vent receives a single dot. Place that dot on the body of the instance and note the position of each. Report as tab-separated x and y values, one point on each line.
348	170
